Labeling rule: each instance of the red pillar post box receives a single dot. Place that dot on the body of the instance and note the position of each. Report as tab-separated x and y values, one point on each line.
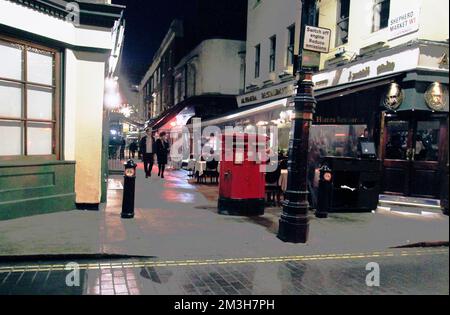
242	181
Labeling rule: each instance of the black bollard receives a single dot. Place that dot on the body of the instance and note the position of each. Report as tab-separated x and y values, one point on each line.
325	192
129	185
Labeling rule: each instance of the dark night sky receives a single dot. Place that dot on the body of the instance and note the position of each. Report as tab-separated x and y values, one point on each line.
147	22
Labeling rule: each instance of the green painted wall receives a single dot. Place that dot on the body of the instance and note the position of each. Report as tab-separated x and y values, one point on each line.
30	188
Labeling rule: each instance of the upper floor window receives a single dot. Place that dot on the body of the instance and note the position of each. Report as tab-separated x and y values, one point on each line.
273	53
178	90
342	26
257	60
147	90
291	45
29	99
191	80
381	11
157	77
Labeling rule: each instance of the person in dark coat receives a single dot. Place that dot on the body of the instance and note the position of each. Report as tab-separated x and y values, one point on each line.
133	148
147	149
123	145
162	152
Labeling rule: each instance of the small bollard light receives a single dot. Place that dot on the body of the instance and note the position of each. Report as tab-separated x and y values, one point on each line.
129	190
325	192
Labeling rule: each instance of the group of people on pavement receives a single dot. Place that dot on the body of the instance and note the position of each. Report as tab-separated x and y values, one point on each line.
149	146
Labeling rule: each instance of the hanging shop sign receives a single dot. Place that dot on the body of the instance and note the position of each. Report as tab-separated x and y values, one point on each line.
436	97
404	24
317	39
394	97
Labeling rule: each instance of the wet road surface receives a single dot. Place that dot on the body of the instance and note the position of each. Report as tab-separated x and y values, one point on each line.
412	271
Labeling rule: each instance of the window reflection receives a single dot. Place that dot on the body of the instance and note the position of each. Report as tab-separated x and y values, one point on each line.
427	141
397	145
336	140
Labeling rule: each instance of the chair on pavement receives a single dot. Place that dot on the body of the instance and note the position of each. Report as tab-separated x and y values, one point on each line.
273	188
212	171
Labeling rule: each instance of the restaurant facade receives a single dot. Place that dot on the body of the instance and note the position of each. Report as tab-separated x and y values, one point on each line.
384	78
397	97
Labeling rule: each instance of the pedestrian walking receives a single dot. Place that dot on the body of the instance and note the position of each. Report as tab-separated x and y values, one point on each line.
123	145
162	152
147	150
133	148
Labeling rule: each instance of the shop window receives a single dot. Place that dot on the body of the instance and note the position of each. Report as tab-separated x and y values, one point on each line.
291	45
257	60
28	100
342	26
381	11
397	142
427	141
335	140
273	53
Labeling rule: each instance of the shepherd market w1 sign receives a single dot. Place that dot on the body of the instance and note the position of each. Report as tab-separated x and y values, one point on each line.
317	39
404	24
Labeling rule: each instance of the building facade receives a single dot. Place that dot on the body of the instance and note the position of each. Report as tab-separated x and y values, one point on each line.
52	84
202	20
396	64
386	76
156	88
210	71
271	44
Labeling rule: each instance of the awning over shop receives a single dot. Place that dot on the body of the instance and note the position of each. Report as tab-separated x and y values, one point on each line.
350	88
204	107
166	116
247	112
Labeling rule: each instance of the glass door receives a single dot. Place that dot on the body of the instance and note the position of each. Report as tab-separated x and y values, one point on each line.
397	156
411	156
425	164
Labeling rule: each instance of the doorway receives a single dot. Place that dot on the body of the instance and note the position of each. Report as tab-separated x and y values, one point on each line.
413	149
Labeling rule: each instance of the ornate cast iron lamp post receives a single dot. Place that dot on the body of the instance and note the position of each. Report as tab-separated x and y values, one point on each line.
294	222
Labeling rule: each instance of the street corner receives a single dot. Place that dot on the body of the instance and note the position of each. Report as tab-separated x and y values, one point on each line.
239	148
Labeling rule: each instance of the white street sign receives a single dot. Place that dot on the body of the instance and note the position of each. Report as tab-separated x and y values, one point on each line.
404	24
317	39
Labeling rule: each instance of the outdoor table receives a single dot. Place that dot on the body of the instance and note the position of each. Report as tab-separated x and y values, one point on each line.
176	165
191	165
200	167
283	180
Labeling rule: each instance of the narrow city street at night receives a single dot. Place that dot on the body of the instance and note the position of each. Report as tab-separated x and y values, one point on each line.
224	156
178	244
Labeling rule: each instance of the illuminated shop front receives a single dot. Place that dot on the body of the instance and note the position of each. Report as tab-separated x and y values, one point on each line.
398	99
